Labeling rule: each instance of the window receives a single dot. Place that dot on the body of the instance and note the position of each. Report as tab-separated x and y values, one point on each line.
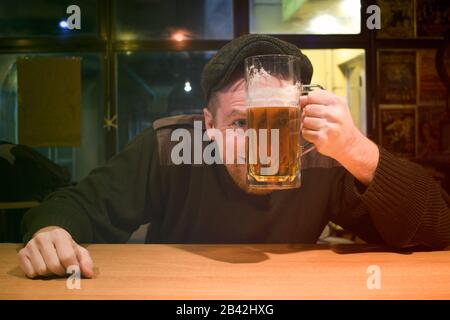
27	18
171	19
305	16
155	85
78	160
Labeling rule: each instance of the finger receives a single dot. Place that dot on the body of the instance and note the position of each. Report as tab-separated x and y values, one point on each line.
322	97
65	251
25	264
86	263
315	110
36	258
303	101
313	123
311	135
51	259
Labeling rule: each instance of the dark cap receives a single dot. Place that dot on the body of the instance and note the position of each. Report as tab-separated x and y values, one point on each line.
218	71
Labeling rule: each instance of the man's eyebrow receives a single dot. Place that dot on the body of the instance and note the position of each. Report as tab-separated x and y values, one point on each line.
236	112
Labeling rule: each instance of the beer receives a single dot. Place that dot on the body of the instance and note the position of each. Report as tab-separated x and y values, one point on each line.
273	89
287	120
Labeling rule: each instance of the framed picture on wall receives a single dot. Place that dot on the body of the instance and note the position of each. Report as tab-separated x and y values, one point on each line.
431	89
429	130
397	81
398	129
433	17
397	19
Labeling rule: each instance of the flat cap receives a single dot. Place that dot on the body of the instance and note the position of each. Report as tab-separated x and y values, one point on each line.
218	71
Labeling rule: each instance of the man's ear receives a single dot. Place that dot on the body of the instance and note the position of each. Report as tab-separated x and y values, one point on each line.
209	120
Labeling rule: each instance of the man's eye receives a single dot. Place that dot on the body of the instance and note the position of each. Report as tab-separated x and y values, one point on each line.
240	123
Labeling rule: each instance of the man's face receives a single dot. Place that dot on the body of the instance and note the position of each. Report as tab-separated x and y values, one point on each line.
231	113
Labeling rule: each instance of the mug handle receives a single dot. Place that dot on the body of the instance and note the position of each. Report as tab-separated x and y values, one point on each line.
309	146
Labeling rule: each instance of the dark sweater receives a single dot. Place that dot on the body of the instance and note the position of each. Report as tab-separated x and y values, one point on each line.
402	206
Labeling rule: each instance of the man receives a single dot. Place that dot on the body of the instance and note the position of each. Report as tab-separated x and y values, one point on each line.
348	180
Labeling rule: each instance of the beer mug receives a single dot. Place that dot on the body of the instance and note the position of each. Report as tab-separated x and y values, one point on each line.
273	149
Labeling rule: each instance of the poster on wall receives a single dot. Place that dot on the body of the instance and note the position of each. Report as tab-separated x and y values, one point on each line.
398	127
431	90
397	77
49	99
433	17
397	19
428	130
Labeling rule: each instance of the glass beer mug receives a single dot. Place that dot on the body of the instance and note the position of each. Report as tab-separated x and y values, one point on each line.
273	149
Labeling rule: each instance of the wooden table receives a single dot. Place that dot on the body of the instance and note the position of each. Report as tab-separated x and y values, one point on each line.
239	272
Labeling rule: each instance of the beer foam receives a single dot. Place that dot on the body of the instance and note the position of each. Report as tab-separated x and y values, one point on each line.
264	90
266	97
